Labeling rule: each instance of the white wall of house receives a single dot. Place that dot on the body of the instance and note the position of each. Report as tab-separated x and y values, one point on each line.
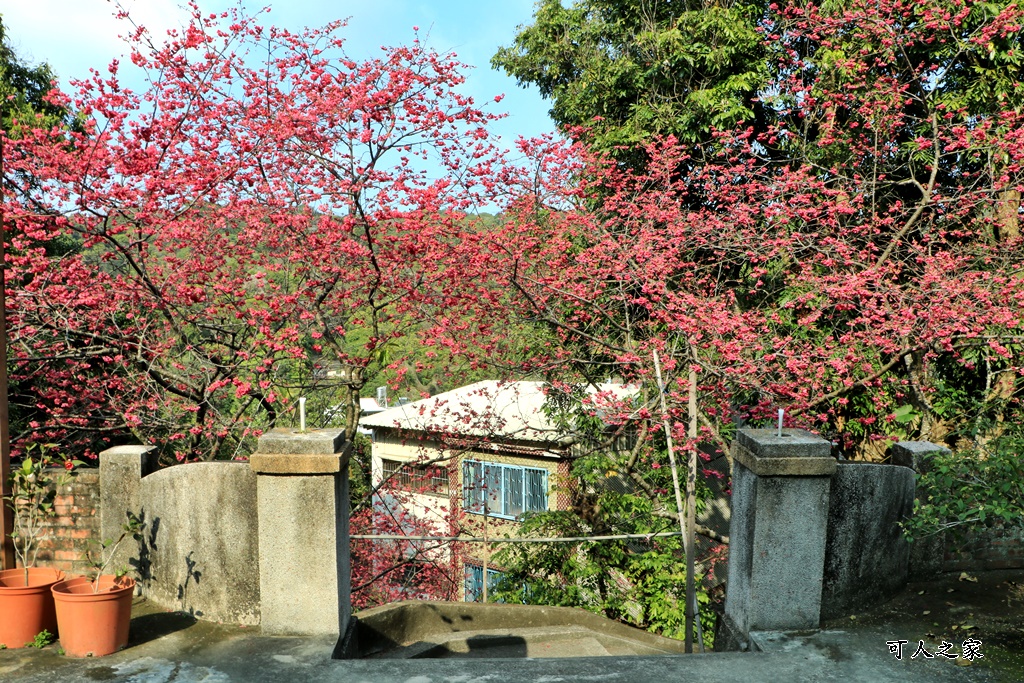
436	508
433	508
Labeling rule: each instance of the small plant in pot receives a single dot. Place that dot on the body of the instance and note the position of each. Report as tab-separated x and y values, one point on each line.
94	613
25	597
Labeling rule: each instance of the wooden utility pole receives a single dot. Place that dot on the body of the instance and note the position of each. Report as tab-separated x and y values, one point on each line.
6	511
687	519
693	616
487	551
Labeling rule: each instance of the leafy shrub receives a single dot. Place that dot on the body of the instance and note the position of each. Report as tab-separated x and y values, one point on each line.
971	489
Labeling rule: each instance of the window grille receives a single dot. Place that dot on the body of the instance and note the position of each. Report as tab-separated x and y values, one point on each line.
475	582
416	478
502	490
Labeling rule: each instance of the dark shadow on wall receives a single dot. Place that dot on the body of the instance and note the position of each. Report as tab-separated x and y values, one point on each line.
143	564
192	576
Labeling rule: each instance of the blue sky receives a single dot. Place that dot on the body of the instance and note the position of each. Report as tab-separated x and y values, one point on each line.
74	35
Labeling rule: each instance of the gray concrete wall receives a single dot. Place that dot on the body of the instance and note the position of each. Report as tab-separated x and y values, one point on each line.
866	554
199	548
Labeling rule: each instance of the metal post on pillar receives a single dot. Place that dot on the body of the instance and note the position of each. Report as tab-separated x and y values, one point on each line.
780	497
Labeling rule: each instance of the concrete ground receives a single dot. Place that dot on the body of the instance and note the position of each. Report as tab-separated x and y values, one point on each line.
168	646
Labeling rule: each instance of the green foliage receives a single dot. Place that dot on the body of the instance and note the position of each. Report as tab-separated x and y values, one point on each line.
34	484
132	528
971	490
359	472
632	70
42	639
23	90
638	581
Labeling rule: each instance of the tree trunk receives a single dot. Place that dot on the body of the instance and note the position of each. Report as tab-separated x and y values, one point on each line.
1008	215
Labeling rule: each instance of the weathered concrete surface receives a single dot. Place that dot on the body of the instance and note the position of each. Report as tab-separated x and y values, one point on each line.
794	443
774	466
305	585
303	552
415	628
866	554
777	536
171	647
121	471
916	455
199	549
926	554
296	463
310	442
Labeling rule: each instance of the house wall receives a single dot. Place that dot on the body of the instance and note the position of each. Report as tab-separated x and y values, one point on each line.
432	508
387	446
438	510
496	527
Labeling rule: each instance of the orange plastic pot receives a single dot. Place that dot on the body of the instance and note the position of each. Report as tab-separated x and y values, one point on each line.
93	624
27	610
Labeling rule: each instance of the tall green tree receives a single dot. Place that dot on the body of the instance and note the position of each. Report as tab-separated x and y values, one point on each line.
627	70
905	114
23	90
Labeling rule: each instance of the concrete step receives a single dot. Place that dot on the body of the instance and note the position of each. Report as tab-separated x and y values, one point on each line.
536	642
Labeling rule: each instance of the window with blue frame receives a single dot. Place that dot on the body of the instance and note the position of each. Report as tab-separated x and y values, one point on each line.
501	490
475	582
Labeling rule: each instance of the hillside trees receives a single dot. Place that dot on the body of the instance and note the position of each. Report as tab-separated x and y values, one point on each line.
262	199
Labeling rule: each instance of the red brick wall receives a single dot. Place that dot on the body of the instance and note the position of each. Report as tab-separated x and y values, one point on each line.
75	529
991	549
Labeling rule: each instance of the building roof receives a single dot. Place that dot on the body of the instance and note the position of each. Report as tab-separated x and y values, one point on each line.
369	406
485	410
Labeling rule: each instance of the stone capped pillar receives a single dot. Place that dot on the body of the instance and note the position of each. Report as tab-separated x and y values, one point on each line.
121	471
927	555
303	503
917	455
780	500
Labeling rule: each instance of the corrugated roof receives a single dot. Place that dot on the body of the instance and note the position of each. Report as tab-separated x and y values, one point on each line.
487	410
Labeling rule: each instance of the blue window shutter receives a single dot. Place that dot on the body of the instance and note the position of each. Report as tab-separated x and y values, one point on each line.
536	490
472	486
493	481
507	490
474	583
513	491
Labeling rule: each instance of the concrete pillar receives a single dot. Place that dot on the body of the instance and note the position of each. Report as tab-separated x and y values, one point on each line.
303	508
780	496
121	471
917	455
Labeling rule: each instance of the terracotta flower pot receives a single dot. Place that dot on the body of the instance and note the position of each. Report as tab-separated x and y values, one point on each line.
27	610
93	624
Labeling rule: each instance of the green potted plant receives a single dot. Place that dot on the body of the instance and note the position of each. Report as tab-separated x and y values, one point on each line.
25	597
94	614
